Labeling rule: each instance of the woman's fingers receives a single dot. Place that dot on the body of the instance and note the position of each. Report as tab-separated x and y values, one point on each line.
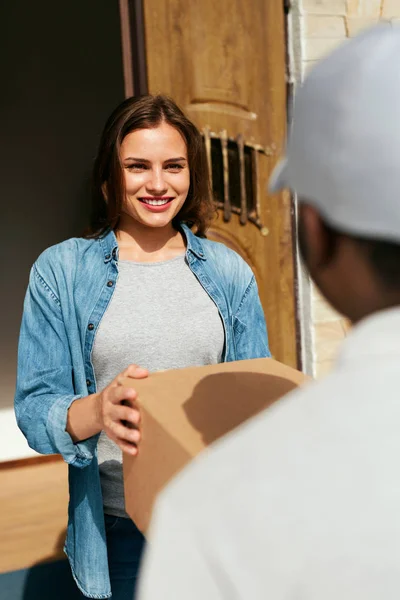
126	434
126	413
126	447
125	444
119	393
134	372
121	420
117	428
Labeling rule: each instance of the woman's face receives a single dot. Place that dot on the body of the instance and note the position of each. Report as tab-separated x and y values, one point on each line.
156	174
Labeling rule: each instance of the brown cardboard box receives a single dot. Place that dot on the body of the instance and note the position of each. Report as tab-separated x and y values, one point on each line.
185	410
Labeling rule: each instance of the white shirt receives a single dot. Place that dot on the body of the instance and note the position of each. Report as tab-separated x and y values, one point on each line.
302	502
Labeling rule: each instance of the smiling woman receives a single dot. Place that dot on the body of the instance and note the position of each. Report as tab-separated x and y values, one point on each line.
143	287
148	144
157	183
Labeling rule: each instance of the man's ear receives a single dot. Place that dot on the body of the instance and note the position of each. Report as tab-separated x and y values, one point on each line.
314	238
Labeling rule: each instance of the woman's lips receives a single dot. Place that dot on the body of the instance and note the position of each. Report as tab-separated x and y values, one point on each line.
156	204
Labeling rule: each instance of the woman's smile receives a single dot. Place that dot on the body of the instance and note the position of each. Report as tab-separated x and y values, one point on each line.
157	204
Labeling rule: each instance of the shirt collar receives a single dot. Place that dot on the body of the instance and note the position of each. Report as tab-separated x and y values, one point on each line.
193	243
109	244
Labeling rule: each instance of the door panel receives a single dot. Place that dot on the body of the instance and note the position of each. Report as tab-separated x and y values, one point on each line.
224	63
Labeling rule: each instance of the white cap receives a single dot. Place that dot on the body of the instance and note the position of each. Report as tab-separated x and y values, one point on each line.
343	152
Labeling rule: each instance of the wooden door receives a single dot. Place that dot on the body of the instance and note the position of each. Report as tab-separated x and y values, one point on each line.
223	61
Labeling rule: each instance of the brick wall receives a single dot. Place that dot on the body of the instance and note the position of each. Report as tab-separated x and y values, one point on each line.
328	22
317	27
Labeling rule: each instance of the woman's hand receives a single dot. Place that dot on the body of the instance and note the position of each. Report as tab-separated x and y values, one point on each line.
119	421
104	411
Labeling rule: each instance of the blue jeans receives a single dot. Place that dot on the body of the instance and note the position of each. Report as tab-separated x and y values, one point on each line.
125	544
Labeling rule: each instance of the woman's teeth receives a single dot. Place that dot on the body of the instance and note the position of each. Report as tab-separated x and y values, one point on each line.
157	202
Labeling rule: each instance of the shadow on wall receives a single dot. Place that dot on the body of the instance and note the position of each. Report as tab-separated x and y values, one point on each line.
47	580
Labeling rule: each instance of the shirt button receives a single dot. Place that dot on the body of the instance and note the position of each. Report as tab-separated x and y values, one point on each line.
90	326
110	283
88	382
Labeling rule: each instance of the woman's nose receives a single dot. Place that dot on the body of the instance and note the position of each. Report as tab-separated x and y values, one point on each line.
156	182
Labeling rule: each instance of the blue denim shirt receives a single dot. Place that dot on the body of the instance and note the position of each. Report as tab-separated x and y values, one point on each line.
70	287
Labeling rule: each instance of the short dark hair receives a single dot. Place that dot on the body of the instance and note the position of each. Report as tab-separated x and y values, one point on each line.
383	256
145	112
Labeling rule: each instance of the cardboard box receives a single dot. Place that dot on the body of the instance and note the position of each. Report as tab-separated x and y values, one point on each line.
185	410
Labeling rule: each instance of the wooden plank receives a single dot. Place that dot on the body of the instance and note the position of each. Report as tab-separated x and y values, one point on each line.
33	512
29	461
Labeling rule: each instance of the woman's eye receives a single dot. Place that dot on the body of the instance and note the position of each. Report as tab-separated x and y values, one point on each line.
137	167
173	167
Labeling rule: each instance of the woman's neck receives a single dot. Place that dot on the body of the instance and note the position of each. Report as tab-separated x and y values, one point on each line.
148	244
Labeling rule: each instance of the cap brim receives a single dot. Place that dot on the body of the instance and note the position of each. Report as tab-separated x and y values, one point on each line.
277	181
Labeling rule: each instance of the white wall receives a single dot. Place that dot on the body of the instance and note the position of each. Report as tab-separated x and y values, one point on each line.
12	443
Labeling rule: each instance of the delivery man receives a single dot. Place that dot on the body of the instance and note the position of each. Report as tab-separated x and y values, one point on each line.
303	502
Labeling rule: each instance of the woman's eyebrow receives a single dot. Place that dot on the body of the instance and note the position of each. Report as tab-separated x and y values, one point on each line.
144	160
179	159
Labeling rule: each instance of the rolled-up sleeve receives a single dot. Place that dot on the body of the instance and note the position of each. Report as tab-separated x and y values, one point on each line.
45	388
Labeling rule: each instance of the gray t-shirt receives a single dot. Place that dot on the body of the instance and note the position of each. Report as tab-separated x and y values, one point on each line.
159	317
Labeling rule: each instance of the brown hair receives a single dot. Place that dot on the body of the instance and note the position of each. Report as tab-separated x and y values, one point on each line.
147	112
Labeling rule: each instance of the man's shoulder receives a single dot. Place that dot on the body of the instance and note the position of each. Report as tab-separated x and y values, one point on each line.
296	488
